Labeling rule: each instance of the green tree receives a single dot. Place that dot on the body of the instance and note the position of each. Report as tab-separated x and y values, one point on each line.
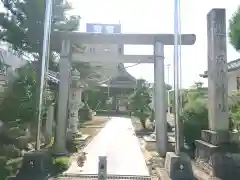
96	98
234	29
20	101
22	26
140	102
234	110
23	23
194	117
195	92
198	85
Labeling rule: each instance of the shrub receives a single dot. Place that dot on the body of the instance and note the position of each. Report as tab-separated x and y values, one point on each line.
85	114
61	164
72	145
140	102
234	112
10	151
4	169
194	119
51	141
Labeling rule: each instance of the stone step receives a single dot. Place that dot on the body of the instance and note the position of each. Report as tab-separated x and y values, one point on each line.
205	144
200	174
83	137
162	174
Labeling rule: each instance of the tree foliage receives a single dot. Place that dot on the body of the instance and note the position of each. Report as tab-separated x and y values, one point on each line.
195	119
197	91
20	101
195	114
140	101
23	23
234	29
92	97
234	110
22	27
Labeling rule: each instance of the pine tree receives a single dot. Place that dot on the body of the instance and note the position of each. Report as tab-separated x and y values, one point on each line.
22	24
140	102
22	27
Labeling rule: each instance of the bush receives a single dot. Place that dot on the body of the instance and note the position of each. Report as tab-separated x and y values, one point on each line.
85	114
10	151
72	145
234	113
194	119
4	169
51	141
61	164
140	102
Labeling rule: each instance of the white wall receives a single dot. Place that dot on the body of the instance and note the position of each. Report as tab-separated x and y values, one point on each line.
232	80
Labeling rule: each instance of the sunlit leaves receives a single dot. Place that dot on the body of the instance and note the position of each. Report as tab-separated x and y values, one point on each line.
234	30
140	100
23	22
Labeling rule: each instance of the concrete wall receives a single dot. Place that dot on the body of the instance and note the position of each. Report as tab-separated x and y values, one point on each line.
232	81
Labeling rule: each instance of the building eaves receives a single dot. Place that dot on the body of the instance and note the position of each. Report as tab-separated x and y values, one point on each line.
232	66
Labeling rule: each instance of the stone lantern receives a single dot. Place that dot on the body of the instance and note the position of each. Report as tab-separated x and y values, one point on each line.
75	103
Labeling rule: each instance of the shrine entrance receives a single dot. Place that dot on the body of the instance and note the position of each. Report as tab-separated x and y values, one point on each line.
118	89
76	47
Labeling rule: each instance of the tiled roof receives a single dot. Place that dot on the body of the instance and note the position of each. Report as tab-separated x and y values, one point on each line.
122	79
232	66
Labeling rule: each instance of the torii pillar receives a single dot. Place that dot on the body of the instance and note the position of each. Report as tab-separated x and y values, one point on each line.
84	54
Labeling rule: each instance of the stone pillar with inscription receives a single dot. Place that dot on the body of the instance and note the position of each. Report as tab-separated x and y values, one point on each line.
216	140
217	68
75	103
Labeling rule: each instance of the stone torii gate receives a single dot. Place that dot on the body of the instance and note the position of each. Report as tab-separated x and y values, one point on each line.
68	41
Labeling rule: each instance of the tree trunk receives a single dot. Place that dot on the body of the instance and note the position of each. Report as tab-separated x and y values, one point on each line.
143	122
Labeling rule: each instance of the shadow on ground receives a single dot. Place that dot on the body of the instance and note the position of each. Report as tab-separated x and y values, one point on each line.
143	132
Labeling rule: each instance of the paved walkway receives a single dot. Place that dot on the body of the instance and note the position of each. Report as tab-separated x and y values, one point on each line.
118	142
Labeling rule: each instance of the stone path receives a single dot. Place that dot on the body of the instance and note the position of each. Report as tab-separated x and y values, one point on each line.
118	142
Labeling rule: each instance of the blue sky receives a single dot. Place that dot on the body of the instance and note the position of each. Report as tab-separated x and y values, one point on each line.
156	16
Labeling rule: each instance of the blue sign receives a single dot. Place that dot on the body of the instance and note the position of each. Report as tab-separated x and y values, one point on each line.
103	28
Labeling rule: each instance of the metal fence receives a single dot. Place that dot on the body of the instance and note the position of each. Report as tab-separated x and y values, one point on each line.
94	177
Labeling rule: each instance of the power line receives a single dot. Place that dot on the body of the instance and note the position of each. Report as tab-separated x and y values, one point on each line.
124	68
132	65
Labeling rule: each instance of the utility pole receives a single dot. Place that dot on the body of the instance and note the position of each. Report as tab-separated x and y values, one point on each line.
181	136
180	58
176	76
44	65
